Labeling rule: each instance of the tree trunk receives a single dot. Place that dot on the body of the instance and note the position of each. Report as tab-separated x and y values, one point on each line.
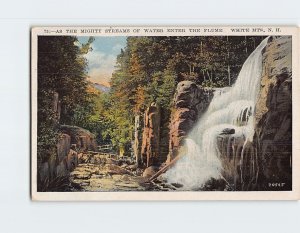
208	75
204	79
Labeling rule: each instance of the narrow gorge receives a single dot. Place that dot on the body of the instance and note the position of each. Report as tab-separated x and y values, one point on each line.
237	137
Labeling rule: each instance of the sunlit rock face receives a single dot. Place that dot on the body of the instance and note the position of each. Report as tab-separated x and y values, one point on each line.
190	101
150	152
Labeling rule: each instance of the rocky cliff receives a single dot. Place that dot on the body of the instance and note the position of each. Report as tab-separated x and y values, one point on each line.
151	136
273	115
190	101
72	140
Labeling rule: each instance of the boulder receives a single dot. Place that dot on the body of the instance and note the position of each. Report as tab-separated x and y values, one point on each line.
72	160
228	131
83	138
150	171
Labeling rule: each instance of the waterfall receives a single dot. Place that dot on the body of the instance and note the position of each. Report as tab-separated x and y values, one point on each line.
231	108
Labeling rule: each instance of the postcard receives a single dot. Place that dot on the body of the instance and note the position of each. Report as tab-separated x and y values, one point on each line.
165	113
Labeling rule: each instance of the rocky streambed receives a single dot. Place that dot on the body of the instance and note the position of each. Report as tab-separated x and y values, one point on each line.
96	173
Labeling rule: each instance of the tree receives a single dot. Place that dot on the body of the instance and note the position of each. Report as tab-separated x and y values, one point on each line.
149	69
62	71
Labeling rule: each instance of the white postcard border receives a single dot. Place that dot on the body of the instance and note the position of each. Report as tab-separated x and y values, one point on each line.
185	31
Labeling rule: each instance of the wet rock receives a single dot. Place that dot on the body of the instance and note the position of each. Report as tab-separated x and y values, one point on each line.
150	171
227	131
230	149
215	185
176	185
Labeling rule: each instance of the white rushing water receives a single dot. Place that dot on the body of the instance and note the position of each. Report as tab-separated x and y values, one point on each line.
230	108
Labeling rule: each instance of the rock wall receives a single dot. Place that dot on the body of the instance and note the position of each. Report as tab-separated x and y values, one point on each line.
190	101
72	140
239	162
60	163
273	131
151	136
62	160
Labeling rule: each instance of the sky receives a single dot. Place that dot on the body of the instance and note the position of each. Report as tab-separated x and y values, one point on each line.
102	59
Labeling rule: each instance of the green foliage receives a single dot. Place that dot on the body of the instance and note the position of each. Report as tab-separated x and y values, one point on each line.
46	130
119	121
149	68
61	81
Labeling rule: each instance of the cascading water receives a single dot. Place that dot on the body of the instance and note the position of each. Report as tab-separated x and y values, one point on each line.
232	109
